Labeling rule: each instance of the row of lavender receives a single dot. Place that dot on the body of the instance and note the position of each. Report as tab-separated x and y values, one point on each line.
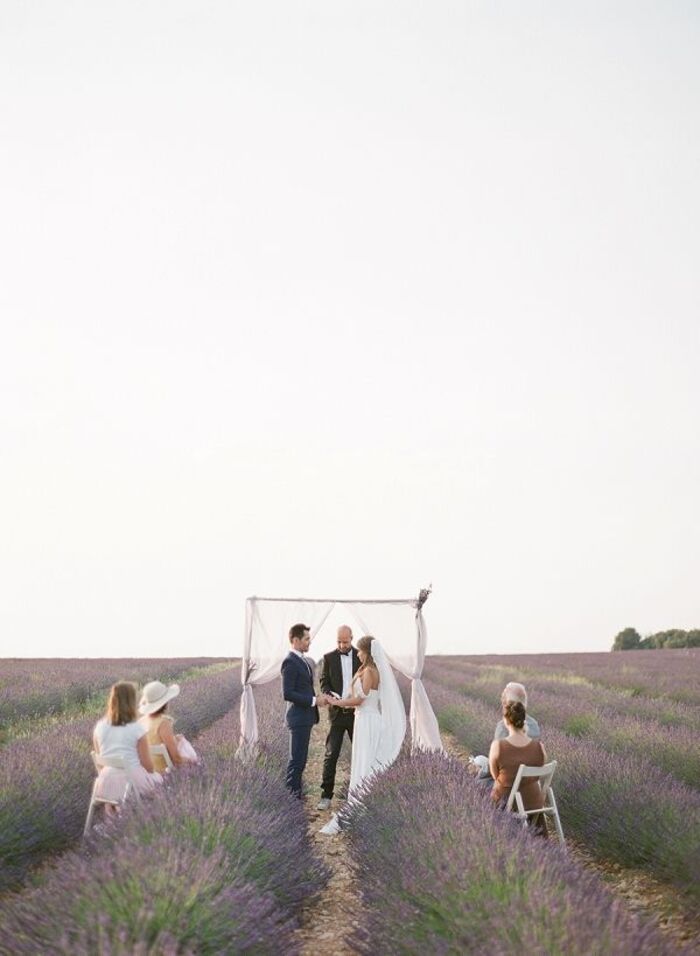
659	707
442	872
46	780
659	731
619	807
31	688
219	862
670	672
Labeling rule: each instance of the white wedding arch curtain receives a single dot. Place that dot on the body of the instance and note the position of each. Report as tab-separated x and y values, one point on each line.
398	624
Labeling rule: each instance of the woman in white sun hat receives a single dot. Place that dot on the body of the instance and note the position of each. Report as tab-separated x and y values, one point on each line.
159	725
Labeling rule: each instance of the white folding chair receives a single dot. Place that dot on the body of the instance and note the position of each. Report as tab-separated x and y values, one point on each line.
99	763
544	774
160	750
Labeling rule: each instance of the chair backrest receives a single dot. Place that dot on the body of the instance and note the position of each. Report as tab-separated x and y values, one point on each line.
160	750
544	774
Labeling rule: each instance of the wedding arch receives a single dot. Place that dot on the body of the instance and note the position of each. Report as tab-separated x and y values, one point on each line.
399	624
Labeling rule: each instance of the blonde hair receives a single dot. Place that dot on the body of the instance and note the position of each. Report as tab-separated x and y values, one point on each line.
121	706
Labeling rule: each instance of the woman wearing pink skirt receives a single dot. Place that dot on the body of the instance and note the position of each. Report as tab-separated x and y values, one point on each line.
120	737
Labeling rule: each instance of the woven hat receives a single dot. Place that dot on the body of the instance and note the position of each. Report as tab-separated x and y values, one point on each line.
156	695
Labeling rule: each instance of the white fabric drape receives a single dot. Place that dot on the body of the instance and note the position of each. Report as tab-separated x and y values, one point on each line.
266	644
404	637
398	624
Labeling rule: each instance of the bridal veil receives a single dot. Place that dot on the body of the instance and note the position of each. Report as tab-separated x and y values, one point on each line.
393	710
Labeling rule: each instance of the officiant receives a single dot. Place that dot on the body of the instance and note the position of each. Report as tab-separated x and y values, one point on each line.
337	671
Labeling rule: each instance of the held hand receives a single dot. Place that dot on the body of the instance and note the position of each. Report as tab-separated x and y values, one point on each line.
322	700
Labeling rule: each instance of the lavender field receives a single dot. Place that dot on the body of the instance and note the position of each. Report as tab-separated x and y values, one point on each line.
41	687
218	862
441	872
222	860
45	777
628	777
673	677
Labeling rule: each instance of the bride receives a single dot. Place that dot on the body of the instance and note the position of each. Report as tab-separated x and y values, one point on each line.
380	718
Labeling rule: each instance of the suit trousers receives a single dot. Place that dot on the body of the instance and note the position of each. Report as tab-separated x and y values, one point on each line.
334	743
298	752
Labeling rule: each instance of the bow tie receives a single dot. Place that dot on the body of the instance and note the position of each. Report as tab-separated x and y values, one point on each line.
343	653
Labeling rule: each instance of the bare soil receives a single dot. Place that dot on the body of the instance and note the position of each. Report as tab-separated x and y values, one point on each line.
329	919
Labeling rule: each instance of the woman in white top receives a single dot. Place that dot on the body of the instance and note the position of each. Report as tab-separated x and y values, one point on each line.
119	736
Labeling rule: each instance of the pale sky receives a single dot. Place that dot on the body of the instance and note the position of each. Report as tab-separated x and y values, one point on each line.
336	299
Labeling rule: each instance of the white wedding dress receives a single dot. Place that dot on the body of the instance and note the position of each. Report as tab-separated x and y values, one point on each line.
380	727
366	736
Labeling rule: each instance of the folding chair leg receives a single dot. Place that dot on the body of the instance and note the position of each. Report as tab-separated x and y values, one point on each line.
91	810
557	821
521	814
88	819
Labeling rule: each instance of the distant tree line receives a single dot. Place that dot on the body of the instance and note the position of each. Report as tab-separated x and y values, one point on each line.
631	640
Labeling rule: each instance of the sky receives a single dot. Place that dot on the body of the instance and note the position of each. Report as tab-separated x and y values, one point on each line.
337	300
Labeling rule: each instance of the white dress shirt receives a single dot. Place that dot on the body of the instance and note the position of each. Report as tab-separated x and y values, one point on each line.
346	667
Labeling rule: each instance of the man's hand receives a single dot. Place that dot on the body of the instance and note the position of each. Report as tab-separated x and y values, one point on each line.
322	700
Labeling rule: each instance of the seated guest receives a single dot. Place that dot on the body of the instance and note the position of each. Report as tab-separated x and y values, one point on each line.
505	758
119	735
159	725
513	691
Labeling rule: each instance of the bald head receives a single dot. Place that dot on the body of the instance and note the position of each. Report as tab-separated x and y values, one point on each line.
514	692
344	639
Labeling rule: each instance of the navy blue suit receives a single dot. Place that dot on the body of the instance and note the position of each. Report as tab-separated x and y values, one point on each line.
302	714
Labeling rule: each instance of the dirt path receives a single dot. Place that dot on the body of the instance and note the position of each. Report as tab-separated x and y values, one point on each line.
328	921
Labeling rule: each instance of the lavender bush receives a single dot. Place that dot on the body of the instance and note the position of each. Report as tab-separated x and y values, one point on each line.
218	862
442	872
621	807
45	782
153	899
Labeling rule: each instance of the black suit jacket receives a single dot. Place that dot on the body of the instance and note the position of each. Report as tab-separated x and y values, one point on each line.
332	680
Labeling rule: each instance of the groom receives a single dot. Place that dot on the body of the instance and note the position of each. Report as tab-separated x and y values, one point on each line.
302	704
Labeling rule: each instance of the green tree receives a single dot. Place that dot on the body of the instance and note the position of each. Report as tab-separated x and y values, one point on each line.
627	640
676	638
